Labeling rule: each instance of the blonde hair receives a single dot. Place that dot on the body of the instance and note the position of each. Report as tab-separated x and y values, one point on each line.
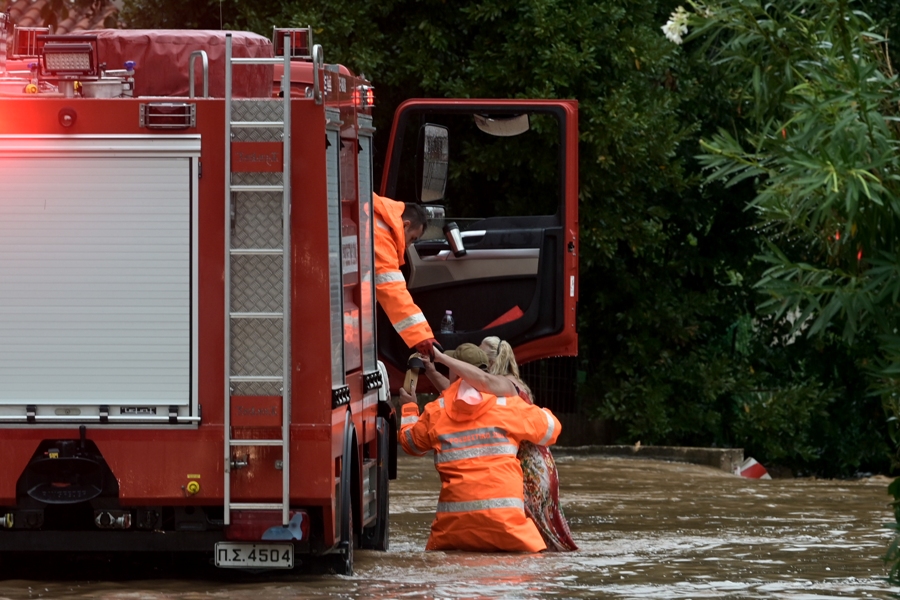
502	360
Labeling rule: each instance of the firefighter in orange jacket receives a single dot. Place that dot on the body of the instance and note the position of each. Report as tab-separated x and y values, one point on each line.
475	438
397	225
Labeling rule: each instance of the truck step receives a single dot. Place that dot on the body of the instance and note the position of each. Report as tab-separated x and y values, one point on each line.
257	506
258	124
255	379
256	315
257	251
255	442
257	188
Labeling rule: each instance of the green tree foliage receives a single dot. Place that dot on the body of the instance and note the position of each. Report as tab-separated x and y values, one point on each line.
667	270
200	14
819	144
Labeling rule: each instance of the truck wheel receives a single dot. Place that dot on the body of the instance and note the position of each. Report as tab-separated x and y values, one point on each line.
377	536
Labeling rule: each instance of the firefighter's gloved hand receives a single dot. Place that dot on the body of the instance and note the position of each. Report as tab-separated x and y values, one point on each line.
426	347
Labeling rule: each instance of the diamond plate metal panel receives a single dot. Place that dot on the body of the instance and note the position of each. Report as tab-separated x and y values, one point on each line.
245	178
256	283
257	221
257	134
252	178
260	111
243	388
256	346
257	110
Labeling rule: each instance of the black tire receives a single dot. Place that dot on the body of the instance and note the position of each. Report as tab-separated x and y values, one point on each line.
377	536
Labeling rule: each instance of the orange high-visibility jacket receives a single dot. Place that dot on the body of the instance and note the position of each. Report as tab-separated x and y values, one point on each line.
390	286
480	507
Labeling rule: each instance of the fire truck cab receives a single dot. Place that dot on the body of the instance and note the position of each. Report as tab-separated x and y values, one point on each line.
188	349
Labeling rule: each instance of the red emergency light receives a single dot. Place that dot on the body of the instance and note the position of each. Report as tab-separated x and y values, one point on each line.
364	96
300	41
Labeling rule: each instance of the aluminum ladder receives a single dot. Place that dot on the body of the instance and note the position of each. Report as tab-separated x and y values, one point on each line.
254	314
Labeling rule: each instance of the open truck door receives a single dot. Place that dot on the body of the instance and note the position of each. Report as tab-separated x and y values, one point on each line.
510	169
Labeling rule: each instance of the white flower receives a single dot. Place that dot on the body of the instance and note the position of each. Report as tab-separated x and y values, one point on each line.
676	26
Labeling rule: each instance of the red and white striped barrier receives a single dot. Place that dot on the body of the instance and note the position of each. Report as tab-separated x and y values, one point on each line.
753	470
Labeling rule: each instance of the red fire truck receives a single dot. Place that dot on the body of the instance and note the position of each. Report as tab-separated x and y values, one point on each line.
188	336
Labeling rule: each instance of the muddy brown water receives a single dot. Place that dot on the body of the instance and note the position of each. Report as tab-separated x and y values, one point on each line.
647	529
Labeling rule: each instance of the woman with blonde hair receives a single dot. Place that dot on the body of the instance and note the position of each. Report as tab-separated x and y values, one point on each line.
538	467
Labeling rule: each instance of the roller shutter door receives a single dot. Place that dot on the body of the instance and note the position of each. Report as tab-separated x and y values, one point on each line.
96	285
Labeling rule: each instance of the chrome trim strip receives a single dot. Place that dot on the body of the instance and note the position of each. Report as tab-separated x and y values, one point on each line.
113	145
485	254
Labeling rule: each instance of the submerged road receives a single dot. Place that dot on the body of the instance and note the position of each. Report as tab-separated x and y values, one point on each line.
647	529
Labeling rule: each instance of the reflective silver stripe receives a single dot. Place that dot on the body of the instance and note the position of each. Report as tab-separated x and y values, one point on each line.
409	322
382	224
411	443
501	400
409	420
445	456
473	437
550	427
388	277
456	507
441	401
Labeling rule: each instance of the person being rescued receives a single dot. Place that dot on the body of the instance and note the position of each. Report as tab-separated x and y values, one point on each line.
538	467
397	226
475	428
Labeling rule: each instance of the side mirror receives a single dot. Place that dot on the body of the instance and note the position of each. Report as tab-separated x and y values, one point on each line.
434	153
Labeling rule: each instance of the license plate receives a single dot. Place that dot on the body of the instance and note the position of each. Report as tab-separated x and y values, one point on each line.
251	555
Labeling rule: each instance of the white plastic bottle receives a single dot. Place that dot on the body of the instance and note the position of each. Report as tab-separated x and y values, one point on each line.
448	325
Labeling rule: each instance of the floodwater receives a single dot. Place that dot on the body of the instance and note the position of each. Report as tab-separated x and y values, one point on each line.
647	529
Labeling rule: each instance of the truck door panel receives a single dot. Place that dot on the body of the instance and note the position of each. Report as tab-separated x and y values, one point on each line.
513	281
